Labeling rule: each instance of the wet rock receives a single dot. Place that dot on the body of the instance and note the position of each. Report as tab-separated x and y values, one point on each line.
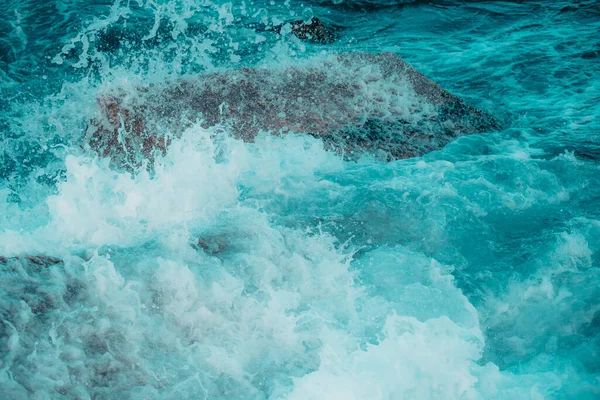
37	260
355	102
212	245
31	270
48	308
316	31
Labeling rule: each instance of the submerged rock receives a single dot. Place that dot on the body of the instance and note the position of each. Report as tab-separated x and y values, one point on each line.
39	260
355	102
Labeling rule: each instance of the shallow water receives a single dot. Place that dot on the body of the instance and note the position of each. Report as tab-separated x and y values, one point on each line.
471	272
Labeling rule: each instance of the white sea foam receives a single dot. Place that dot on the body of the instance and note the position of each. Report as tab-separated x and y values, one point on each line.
274	269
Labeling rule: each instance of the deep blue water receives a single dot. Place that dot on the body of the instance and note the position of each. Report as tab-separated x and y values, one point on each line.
471	272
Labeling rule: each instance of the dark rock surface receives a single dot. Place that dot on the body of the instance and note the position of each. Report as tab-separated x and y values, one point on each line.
315	31
355	102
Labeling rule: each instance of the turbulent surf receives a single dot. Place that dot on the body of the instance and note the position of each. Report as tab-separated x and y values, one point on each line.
299	200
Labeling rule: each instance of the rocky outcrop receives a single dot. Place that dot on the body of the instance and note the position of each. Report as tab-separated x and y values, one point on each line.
355	102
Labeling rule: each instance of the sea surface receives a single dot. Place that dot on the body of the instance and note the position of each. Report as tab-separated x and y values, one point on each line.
279	270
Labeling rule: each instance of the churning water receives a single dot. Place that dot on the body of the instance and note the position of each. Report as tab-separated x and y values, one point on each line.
276	269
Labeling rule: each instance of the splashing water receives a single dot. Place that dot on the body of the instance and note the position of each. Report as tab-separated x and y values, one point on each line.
277	269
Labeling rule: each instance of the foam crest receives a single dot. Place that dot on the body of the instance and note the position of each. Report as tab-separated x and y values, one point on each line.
203	175
414	359
97	205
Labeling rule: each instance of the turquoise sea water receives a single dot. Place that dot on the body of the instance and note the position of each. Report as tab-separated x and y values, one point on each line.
469	273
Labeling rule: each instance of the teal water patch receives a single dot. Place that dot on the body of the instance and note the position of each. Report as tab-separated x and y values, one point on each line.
276	269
